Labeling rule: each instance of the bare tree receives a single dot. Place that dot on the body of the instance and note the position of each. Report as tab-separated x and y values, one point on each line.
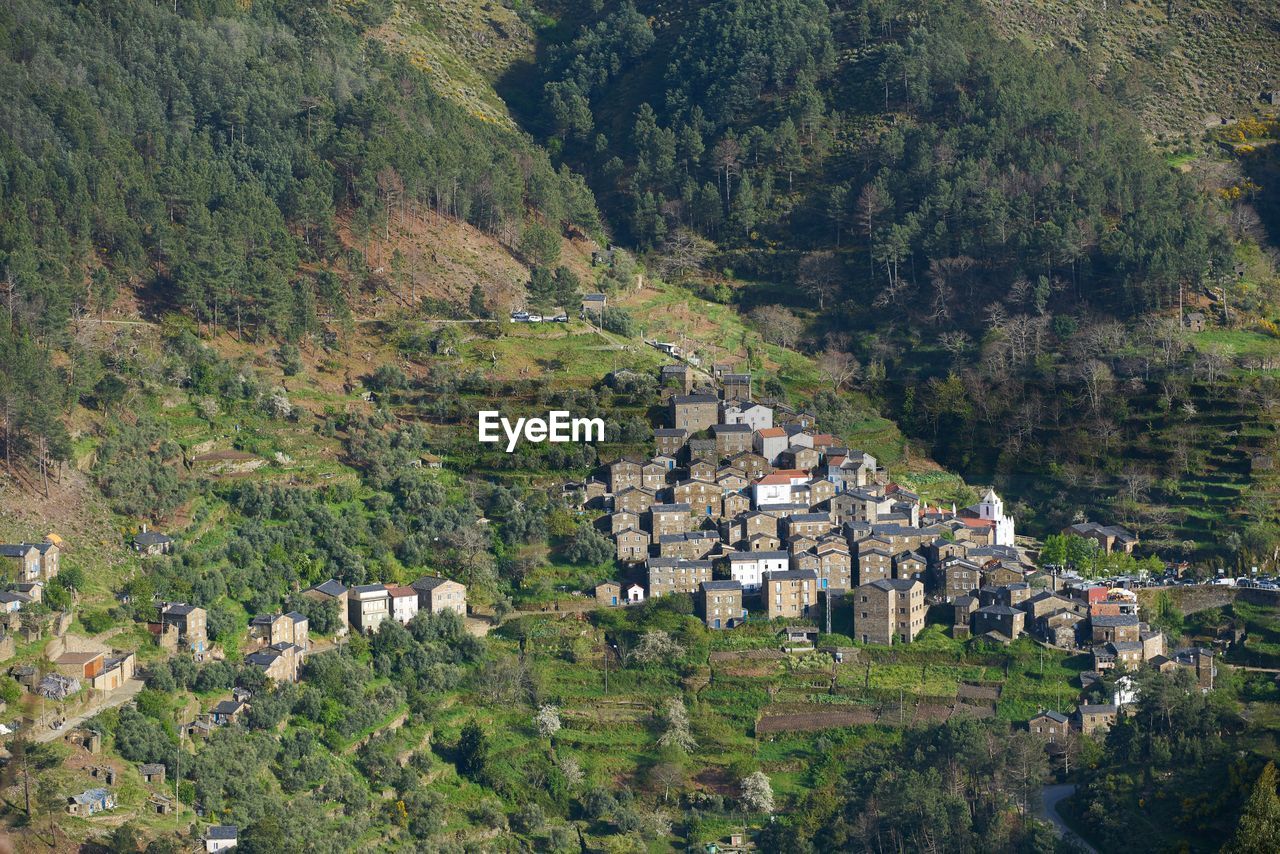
683	253
1096	379
777	325
839	367
820	274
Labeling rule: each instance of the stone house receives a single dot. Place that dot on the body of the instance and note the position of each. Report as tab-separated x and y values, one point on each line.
763	542
624	474
191	622
1092	719
719	603
736	386
808	525
676	575
732	439
888	610
821	491
963	608
702	470
790	593
734	504
1109	537
731	479
331	591
702	449
703	497
436	594
32	561
1001	619
279	662
1106	628
691	546
669	519
1053	726
677	378
753	465
799	457
874	564
835	566
633	500
608	593
694	412
668	442
654	474
152	543
268	629
623	520
997	574
909	565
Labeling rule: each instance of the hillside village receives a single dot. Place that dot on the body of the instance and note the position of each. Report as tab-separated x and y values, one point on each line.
746	506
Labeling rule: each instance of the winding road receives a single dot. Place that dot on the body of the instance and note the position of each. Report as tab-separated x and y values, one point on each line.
1050	796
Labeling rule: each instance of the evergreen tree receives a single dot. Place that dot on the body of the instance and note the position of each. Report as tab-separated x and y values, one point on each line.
1259	828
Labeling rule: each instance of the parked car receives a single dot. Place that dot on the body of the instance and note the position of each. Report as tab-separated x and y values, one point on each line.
560	318
519	317
535	318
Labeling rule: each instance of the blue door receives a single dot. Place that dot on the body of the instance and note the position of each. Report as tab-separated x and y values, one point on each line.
717	625
615	601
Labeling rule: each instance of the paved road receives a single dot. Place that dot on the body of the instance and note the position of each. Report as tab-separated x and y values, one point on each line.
116	698
1049	798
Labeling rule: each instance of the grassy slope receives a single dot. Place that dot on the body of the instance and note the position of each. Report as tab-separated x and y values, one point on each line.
1182	65
463	45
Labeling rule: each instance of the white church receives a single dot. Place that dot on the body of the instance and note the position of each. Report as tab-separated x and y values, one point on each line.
991	509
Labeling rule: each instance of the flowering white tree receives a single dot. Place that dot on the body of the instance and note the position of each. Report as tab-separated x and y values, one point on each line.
757	792
677	733
655	646
571	770
547	720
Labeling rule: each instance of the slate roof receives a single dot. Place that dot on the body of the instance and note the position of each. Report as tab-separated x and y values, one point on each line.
332	587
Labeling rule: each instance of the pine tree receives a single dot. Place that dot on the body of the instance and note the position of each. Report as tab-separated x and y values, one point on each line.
1259	829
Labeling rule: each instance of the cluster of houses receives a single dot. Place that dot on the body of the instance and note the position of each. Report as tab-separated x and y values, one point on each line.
746	504
365	606
28	567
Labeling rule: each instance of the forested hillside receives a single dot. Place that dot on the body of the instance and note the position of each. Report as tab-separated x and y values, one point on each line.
987	234
206	160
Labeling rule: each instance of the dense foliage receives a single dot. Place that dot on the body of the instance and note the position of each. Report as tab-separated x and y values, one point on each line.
212	153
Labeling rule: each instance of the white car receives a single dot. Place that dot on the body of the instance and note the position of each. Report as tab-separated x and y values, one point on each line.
535	318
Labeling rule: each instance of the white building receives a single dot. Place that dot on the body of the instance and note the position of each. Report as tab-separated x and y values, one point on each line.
991	508
778	488
748	568
220	837
755	415
404	603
